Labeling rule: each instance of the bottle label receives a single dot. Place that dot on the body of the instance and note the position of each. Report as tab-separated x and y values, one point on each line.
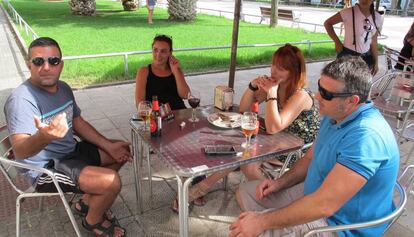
153	126
159	123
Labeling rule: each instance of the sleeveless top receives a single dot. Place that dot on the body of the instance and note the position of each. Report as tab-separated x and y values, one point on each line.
305	126
405	52
165	88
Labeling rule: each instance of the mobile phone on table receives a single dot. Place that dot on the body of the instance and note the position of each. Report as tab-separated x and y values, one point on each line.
219	149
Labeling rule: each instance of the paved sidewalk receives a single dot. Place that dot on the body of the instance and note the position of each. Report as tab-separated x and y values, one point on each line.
13	70
109	109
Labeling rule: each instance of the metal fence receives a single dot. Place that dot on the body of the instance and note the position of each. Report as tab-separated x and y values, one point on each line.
19	20
125	55
30	32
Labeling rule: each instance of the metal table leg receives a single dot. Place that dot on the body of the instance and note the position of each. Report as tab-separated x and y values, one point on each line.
183	204
137	170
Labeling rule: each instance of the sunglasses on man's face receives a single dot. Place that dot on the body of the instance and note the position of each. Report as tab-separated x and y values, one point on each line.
327	95
39	61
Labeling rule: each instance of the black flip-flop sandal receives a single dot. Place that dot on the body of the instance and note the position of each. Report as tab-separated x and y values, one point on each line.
105	231
83	211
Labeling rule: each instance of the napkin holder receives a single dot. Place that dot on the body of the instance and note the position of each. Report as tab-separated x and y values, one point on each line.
223	97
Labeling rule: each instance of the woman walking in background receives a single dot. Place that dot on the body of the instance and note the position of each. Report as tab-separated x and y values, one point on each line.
362	24
150	7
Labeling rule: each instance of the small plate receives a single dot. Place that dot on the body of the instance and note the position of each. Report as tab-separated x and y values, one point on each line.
225	119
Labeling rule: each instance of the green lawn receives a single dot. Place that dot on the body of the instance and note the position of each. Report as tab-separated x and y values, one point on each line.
113	30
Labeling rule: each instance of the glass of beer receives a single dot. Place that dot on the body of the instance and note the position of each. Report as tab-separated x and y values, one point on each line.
248	125
144	112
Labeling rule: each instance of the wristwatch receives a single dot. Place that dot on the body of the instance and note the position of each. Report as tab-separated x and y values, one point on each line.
251	87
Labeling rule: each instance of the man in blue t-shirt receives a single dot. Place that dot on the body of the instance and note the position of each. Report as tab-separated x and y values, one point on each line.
42	116
348	175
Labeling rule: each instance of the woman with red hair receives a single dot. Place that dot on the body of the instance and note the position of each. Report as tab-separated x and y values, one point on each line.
288	106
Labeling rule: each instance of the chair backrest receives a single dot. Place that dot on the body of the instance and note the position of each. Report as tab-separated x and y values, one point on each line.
392	56
407	179
5	145
10	171
400	203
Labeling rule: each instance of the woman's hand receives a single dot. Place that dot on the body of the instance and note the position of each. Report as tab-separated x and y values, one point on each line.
174	64
269	85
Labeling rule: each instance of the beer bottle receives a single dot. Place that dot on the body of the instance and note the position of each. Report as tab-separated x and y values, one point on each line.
255	109
156	121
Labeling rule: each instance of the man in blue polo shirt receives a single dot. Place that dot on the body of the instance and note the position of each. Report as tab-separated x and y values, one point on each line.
346	177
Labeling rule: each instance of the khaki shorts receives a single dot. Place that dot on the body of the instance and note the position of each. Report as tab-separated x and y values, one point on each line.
276	201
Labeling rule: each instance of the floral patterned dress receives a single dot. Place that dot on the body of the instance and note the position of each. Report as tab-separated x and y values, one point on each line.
305	126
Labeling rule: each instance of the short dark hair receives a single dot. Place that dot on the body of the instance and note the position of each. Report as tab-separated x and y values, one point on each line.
164	38
42	42
355	74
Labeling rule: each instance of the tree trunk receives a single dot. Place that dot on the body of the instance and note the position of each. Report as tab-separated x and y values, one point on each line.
182	10
83	7
273	14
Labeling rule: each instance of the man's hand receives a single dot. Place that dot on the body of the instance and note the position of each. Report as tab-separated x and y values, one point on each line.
248	225
120	151
267	187
57	129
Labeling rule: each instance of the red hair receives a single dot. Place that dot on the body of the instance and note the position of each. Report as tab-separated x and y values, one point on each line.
291	59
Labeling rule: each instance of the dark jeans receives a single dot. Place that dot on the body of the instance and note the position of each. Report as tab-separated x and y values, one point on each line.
367	57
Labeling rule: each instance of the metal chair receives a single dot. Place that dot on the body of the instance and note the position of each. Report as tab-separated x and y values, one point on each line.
392	56
276	172
9	167
391	218
399	100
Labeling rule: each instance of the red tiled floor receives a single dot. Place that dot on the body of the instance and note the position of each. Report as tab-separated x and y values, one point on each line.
8	200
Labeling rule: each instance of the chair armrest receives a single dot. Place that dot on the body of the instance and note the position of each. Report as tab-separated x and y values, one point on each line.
390	217
26	166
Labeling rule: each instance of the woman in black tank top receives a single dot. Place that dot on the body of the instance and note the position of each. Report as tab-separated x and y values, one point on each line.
163	77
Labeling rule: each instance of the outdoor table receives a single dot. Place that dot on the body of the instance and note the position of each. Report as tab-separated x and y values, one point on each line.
181	149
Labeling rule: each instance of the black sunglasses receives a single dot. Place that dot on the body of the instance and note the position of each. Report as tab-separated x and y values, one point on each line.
368	28
327	95
39	61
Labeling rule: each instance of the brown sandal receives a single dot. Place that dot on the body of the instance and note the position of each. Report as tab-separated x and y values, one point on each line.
196	195
83	211
104	231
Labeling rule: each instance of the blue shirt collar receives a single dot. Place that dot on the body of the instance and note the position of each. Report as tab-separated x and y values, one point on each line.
368	105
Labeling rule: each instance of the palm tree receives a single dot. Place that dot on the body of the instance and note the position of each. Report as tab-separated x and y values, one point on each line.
130	5
83	7
182	10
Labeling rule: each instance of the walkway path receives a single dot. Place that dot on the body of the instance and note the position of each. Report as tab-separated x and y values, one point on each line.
12	67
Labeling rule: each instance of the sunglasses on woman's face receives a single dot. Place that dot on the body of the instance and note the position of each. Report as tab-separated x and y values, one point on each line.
327	95
39	61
